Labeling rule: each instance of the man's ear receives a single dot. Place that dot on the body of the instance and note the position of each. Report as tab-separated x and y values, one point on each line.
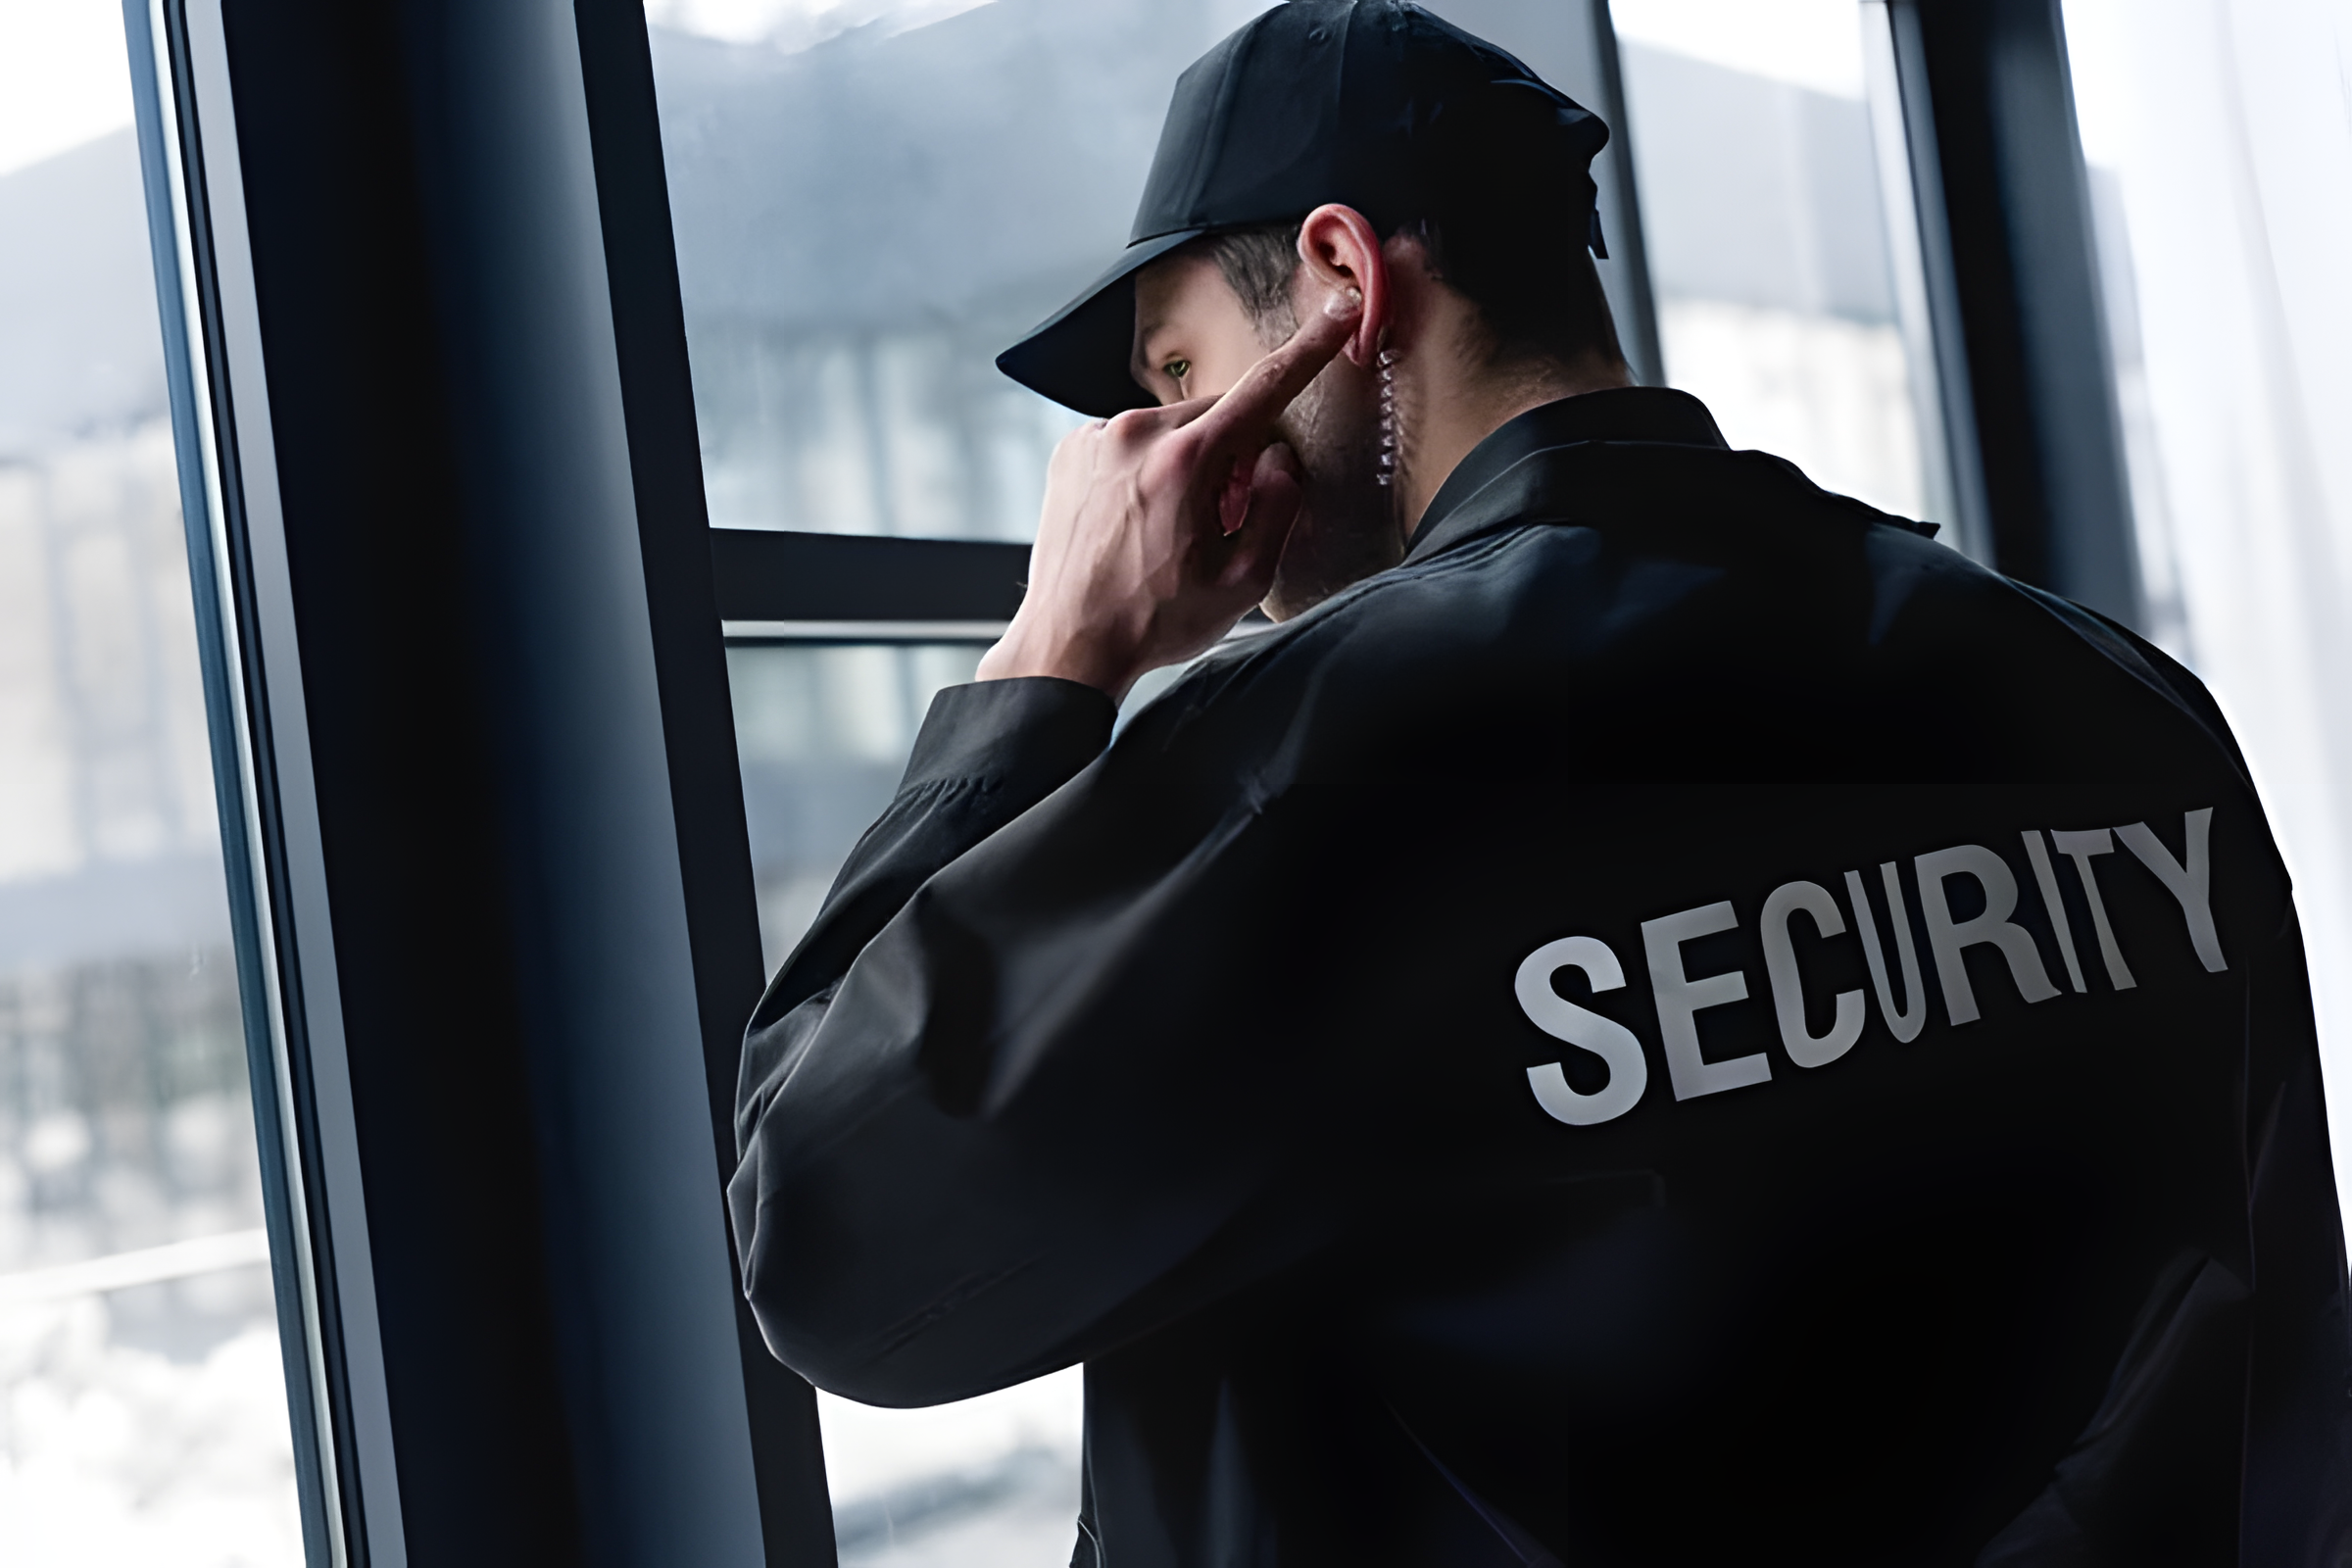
1337	250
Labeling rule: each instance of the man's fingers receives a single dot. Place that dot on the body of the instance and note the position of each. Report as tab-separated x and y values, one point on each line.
1276	466
1244	416
1276	496
1233	501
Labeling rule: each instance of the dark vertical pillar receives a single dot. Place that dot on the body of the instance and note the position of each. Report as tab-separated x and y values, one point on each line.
398	743
487	711
1627	271
2025	279
705	781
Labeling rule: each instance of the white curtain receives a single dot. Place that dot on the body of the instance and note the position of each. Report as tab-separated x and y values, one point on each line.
2228	126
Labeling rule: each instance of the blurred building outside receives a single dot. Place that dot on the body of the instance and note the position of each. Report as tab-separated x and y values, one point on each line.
2220	137
142	1399
818	154
870	201
841	350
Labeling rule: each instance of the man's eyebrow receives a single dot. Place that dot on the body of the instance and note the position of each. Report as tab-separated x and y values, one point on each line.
1146	330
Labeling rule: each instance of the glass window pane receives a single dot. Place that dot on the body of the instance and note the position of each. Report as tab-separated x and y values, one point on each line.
872	198
1767	235
823	732
2220	155
143	1401
987	1482
871	201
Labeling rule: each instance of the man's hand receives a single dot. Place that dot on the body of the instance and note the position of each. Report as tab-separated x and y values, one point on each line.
1162	527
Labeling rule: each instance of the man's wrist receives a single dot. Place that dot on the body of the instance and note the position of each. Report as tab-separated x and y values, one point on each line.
1025	651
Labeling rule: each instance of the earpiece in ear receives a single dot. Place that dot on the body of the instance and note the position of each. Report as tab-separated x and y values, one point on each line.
1386	471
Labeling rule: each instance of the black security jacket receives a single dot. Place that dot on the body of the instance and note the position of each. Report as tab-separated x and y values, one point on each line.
1685	1025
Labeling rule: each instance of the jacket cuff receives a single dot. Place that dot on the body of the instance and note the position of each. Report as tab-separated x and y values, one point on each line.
1026	736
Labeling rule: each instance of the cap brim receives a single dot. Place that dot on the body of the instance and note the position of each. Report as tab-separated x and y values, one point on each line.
1080	355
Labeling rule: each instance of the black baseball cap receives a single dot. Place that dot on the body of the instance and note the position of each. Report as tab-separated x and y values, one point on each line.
1374	103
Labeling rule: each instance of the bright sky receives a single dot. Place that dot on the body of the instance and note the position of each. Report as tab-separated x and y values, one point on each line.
797	23
2095	45
64	77
1814	43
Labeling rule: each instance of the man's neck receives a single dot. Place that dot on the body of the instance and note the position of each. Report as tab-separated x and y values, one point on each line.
1460	404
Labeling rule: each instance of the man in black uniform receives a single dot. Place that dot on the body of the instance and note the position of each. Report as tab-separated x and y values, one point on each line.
1659	1017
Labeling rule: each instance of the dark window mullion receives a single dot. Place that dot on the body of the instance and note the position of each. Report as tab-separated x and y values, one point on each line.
773	576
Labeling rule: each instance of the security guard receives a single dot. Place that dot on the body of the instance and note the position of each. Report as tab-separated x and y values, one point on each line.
1659	1017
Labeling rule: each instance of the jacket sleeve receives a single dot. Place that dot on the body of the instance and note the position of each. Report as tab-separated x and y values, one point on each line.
2298	1457
986	754
997	1111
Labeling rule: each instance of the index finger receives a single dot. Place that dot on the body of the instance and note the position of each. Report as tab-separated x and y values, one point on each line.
1247	413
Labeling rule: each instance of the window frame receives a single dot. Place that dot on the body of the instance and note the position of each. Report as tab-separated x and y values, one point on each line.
1986	76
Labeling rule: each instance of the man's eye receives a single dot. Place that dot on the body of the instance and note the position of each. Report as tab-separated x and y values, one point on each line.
1177	370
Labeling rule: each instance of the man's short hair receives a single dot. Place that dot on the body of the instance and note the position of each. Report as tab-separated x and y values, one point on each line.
1533	281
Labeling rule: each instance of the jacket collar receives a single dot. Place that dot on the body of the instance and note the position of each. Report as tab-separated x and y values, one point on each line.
1489	484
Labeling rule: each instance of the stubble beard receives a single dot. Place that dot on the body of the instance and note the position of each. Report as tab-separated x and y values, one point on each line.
1348	528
